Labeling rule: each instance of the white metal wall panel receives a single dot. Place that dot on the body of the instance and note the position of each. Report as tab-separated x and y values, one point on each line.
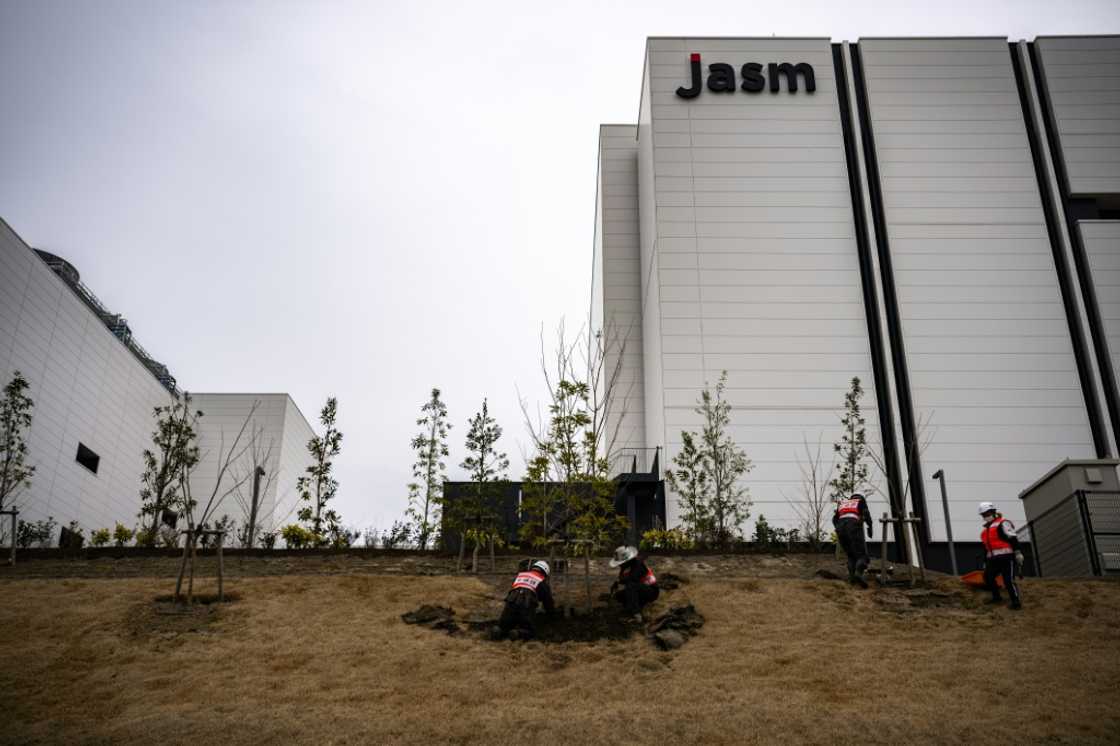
87	387
618	281
651	293
282	431
1102	245
756	260
1082	77
988	349
294	460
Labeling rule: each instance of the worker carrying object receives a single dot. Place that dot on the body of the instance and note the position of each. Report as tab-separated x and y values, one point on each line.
636	585
529	589
1002	556
850	513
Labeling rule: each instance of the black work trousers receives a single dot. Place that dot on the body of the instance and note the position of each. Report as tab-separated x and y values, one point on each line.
850	533
1002	565
633	596
521	607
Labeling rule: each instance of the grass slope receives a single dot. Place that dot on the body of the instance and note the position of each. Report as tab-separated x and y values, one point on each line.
326	659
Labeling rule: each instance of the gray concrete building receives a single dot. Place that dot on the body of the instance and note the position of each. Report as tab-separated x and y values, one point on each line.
938	217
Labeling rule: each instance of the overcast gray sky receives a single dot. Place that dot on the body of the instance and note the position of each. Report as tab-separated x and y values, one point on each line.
361	199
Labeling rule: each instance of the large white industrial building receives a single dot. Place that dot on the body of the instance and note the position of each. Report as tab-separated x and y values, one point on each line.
95	389
938	217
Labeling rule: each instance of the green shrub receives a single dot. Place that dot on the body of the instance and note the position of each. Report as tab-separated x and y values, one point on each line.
122	534
100	537
298	537
672	540
35	532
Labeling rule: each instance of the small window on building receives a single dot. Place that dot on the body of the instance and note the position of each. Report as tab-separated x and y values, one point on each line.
87	458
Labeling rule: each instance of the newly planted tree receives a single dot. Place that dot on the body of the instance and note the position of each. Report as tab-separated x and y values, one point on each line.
430	445
814	507
317	486
568	495
15	420
476	512
202	513
851	450
174	452
709	471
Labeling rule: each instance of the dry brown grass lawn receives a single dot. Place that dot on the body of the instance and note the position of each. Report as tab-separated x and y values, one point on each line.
326	659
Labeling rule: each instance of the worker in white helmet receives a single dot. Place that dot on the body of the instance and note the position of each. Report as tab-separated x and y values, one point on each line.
849	518
1002	554
636	585
530	588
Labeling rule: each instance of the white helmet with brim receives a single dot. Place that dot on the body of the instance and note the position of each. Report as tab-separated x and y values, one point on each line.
542	566
985	507
622	555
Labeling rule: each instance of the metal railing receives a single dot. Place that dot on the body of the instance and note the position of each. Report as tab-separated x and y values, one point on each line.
115	323
636	461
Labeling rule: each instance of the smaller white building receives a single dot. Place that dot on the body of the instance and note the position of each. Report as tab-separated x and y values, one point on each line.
95	391
274	437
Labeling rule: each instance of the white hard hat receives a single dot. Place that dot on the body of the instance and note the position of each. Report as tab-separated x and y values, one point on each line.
542	566
985	507
623	555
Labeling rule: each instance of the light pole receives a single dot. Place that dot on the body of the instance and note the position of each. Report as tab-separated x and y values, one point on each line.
939	475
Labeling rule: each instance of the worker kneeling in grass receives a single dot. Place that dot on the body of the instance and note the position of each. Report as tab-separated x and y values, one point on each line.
1002	556
636	585
850	513
530	589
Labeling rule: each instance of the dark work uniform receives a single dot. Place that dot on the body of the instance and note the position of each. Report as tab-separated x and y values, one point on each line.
529	588
1000	546
638	586
848	520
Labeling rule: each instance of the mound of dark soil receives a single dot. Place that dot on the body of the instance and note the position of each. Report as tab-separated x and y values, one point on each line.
433	617
670	582
673	628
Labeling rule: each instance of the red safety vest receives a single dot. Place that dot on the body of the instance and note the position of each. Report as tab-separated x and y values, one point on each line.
528	580
994	544
648	579
848	508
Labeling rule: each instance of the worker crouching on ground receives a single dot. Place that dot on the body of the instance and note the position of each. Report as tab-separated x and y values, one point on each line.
850	513
1001	554
529	589
636	585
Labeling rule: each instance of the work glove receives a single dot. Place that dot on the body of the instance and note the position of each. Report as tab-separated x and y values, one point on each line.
1019	559
869	532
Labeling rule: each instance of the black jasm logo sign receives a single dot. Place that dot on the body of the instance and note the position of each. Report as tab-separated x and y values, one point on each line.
721	77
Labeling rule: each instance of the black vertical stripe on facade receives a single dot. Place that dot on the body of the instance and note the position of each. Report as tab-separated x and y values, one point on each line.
1080	258
1065	279
890	298
870	304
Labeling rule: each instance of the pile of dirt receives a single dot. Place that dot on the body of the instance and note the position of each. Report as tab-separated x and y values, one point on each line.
670	582
433	617
826	574
673	628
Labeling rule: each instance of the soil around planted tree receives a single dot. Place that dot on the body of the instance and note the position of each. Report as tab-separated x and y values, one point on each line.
167	618
668	624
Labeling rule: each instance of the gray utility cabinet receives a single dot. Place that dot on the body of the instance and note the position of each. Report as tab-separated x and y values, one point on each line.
1073	517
